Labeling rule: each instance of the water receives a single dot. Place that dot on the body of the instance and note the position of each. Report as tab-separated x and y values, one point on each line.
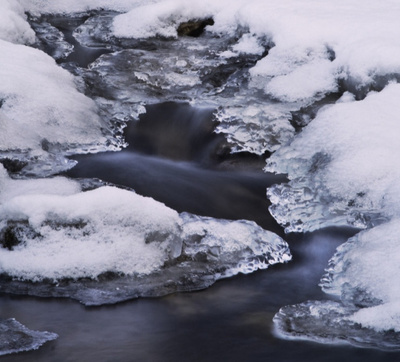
174	157
232	320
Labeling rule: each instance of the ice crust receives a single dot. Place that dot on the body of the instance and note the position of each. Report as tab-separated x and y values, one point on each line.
341	166
108	244
361	275
15	337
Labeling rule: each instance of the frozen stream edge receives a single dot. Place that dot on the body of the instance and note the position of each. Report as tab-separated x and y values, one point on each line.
15	337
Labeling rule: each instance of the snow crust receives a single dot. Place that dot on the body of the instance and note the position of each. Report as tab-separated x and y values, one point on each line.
106	229
343	164
369	280
302	34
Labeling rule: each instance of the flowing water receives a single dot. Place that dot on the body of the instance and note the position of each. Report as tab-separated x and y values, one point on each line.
174	156
232	320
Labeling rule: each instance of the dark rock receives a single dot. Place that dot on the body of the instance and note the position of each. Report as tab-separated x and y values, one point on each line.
194	27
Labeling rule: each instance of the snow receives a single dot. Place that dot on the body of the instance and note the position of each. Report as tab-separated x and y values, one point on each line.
343	166
106	229
372	276
13	24
36	113
362	49
353	147
50	230
344	171
39	7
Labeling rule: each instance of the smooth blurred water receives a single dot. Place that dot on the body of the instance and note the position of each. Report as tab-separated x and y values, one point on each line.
232	320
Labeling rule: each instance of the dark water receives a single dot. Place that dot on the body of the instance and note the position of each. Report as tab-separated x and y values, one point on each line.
231	321
174	157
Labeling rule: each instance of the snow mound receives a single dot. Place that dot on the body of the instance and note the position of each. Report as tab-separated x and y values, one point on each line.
36	117
342	166
108	244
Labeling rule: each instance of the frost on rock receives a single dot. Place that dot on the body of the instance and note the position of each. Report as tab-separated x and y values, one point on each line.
108	245
361	274
15	337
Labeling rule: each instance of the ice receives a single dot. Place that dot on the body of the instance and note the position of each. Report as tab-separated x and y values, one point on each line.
269	68
343	164
361	275
15	337
317	50
343	171
40	7
107	245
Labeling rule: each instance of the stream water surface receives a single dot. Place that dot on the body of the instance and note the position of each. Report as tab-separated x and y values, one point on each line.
175	162
174	156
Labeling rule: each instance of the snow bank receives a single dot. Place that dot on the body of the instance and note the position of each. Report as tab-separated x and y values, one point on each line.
72	235
362	275
369	280
344	170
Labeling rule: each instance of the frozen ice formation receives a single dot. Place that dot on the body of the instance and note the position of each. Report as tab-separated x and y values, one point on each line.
108	244
269	68
343	171
15	337
342	166
258	64
361	276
